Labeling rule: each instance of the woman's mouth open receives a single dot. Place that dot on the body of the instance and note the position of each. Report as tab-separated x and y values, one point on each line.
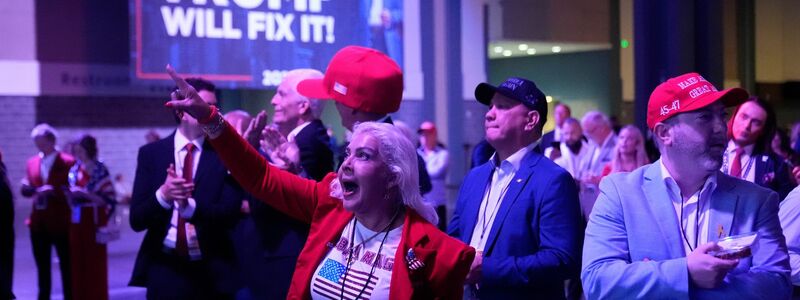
349	188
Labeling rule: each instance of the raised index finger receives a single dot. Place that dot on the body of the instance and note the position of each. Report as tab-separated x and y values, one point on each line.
179	81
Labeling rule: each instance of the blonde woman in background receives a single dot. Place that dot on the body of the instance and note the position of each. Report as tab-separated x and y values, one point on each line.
629	153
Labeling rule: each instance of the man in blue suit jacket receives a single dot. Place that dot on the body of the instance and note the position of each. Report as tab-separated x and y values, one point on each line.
519	210
653	232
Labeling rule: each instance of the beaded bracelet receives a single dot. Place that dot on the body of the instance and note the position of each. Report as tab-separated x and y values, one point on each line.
213	111
215	125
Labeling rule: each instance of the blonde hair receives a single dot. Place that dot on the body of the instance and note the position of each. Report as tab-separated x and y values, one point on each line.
640	157
400	157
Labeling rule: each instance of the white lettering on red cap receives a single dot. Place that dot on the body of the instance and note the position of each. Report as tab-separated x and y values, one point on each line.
666	109
686	83
698	91
340	88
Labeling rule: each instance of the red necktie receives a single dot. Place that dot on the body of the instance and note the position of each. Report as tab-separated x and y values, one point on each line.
181	245
736	165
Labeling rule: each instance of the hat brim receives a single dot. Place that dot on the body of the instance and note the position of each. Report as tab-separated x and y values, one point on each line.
313	88
730	97
484	93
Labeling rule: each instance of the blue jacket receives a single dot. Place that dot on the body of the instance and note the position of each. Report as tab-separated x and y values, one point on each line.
535	241
634	220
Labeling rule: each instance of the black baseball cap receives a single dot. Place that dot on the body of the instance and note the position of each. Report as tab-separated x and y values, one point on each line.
520	89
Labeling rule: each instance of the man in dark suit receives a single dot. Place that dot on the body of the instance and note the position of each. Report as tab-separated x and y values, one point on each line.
297	119
749	155
49	221
6	234
364	91
186	200
519	210
275	240
561	112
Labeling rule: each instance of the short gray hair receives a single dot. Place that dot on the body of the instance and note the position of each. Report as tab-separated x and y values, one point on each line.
315	105
595	117
45	130
400	156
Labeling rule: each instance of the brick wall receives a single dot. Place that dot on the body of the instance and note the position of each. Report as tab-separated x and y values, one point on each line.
17	118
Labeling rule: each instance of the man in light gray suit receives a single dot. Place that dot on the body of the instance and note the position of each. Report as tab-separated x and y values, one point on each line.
653	232
602	140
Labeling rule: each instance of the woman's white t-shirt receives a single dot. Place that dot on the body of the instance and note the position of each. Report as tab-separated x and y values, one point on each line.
330	273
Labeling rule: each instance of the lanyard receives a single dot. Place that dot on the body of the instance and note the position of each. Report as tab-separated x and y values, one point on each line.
747	166
484	222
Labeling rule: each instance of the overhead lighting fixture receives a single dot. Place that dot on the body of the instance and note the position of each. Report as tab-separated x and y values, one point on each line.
506	53
498	49
523	47
549	99
556	49
531	51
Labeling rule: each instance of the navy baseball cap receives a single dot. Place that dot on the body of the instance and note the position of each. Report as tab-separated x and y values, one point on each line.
520	89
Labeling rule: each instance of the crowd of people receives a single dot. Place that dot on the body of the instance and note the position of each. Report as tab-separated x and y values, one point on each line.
260	207
72	197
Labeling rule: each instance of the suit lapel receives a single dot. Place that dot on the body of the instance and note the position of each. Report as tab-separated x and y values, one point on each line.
516	186
475	193
723	208
760	166
207	160
659	202
166	156
35	172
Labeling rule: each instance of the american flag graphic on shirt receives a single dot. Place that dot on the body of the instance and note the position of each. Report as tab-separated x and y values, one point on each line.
329	281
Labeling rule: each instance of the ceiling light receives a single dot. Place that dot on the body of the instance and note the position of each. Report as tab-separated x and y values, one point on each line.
498	49
556	49
506	53
523	47
531	51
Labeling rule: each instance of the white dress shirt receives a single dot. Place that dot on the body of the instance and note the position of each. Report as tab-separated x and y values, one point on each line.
180	154
748	164
292	134
694	216
46	165
495	191
601	154
574	163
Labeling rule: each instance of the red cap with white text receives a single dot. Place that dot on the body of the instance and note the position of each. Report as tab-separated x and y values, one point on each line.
686	93
360	78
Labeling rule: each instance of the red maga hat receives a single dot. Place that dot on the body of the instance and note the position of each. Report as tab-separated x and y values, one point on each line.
686	93
360	78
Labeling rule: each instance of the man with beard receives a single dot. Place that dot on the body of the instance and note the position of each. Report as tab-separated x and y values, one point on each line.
653	232
748	155
574	150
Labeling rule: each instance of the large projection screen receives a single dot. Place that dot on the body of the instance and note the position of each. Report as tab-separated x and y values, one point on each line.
252	43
